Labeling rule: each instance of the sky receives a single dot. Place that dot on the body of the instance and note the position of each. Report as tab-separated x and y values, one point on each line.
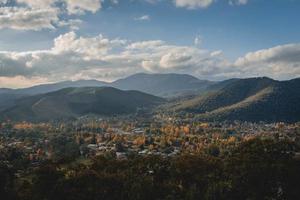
45	41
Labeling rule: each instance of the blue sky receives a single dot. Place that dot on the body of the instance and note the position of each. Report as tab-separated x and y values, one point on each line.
234	29
239	37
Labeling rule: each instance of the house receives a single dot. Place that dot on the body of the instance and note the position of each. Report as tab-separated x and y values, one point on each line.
121	155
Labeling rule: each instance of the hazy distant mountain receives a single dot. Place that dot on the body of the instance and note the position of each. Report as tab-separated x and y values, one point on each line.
74	102
165	85
8	99
254	99
221	84
5	90
156	84
9	96
45	88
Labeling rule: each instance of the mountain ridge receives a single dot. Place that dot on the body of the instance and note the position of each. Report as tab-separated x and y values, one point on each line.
153	81
167	86
250	99
253	99
75	102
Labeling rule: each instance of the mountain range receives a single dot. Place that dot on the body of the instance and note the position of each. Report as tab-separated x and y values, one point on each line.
163	85
252	99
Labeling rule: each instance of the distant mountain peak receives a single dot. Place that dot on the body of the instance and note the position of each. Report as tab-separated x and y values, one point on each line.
166	85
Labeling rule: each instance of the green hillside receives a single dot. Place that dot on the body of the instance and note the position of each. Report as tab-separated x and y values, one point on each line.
255	99
75	102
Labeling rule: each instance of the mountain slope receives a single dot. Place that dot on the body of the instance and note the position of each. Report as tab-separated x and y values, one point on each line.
8	97
255	99
165	85
75	102
232	93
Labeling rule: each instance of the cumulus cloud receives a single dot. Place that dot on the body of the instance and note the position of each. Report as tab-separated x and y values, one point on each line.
81	6
37	3
279	62
284	53
102	58
75	57
73	24
45	14
152	44
72	6
27	18
91	48
50	14
70	55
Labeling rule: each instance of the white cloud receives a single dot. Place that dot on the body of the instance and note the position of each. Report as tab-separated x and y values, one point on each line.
27	18
91	48
72	6
73	24
238	2
196	4
279	62
193	4
177	58
198	40
153	1
3	2
102	58
45	14
49	14
81	6
38	3
216	53
152	44
114	2
70	55
143	18
75	57
284	53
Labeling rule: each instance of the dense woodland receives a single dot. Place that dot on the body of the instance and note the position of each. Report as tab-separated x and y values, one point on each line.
255	169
